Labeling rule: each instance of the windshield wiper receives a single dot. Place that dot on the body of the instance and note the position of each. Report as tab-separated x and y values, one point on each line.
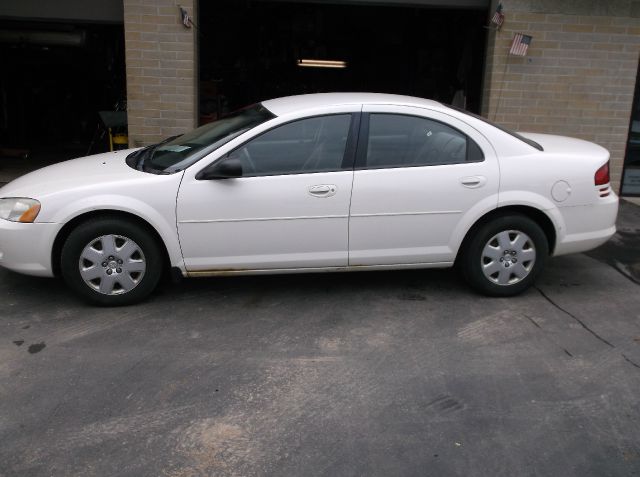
147	153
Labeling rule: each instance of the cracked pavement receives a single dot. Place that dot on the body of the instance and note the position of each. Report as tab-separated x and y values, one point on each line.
394	373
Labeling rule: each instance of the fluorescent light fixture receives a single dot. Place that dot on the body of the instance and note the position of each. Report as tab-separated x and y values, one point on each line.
322	63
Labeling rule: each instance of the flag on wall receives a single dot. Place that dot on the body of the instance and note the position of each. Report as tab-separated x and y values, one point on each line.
498	16
520	44
186	18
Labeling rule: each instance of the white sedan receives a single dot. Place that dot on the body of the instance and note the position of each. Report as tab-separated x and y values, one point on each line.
324	182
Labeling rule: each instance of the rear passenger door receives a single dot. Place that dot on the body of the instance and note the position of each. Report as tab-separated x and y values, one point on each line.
418	174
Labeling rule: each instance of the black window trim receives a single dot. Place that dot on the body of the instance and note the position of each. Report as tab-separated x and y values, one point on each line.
363	143
348	158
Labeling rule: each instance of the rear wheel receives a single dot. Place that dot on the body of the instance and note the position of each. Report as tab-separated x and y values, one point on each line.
111	261
505	255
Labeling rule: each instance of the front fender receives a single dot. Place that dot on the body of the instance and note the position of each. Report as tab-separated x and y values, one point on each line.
163	220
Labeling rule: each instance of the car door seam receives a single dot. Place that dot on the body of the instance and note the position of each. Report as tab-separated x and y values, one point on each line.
184	265
353	179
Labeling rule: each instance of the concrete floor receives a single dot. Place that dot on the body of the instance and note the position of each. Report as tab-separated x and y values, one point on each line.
395	373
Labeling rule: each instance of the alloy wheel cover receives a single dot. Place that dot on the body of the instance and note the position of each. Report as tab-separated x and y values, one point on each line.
508	257
112	264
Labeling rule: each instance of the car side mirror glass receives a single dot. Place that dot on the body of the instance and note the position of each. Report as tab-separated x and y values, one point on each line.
226	169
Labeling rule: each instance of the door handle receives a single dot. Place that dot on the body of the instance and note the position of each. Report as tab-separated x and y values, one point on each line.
473	181
323	190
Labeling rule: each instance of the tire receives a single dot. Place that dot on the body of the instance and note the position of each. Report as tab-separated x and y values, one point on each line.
111	261
504	256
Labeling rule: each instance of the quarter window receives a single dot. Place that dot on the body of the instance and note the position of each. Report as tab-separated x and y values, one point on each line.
309	145
410	141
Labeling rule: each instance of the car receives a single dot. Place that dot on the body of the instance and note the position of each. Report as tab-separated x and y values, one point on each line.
313	183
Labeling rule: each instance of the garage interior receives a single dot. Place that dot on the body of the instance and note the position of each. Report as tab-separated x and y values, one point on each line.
55	78
250	51
58	73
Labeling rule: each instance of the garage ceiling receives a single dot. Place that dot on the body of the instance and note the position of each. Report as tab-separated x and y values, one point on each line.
77	10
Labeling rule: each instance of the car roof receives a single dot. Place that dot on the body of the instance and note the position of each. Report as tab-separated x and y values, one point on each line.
290	104
507	143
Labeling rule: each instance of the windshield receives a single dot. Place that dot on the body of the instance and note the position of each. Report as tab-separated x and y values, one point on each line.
528	141
176	153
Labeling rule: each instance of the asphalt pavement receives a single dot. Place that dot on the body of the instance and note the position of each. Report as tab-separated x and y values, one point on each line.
380	373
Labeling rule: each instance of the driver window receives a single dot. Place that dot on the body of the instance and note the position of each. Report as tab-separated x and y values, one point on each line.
308	145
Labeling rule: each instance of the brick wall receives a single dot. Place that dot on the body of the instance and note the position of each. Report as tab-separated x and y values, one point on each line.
161	70
578	77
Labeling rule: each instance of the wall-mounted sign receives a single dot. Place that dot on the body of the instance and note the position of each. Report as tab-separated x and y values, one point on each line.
631	181
630	184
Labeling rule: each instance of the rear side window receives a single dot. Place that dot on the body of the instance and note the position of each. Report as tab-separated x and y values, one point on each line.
526	140
410	141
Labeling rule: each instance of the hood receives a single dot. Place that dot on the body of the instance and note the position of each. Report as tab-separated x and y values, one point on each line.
76	173
568	146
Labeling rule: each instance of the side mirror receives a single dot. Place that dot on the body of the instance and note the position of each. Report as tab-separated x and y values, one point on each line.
225	169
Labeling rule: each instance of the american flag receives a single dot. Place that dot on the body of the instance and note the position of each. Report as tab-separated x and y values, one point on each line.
498	17
520	44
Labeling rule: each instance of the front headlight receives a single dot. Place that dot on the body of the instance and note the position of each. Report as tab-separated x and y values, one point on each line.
19	209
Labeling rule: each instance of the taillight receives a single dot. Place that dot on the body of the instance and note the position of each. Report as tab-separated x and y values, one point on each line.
602	175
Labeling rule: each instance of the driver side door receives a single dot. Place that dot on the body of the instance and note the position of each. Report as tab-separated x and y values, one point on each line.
290	208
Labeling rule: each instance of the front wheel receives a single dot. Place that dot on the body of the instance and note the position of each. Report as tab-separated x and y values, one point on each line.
505	255
111	261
